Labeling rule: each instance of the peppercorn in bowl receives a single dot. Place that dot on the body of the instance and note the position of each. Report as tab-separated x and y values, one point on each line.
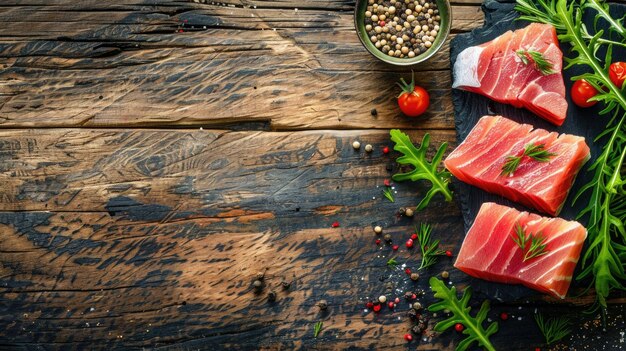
402	32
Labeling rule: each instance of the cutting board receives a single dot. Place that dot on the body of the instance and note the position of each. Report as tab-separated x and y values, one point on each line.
500	17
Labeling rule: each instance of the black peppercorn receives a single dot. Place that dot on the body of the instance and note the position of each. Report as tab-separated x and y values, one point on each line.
408	295
417	329
401	211
271	296
322	304
412	314
387	237
373	112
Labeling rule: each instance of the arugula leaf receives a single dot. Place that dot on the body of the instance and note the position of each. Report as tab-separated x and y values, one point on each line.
422	169
461	314
604	260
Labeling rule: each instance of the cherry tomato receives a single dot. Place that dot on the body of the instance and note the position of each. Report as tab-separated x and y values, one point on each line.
617	72
414	99
583	91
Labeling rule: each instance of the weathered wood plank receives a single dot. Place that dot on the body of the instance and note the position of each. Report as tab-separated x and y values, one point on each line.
153	238
104	65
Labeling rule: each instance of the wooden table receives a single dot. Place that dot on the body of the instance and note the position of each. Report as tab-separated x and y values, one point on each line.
155	156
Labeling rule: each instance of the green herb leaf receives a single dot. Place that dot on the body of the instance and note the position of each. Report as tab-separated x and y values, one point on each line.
604	260
461	314
430	249
535	249
317	328
536	58
553	329
536	152
388	194
392	263
422	169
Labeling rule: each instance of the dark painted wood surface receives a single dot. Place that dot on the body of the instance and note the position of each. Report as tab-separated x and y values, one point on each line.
124	225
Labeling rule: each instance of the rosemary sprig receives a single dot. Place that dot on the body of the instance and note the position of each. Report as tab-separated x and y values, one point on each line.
537	247
553	329
317	328
389	194
429	248
537	152
537	59
392	263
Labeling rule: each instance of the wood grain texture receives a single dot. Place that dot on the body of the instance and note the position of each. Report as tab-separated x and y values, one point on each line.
147	238
280	65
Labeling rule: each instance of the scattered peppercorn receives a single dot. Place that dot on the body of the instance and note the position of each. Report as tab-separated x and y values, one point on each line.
391	305
412	314
335	224
408	295
386	150
408	212
407	271
504	316
377	241
448	253
257	284
415	276
378	229
387	237
271	296
396	300
417	306
408	337
387	182
322	304
376	308
417	329
459	327
369	148
373	112
395	247
286	285
409	243
356	145
369	304
401	211
445	274
382	298
413	236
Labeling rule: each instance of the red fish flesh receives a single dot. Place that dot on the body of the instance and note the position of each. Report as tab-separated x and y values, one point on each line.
496	69
490	252
541	185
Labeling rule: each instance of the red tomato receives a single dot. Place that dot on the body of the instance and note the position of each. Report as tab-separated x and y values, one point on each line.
414	99
583	91
617	72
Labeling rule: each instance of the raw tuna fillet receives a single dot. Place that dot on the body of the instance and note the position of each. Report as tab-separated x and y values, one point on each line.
495	70
541	185
489	251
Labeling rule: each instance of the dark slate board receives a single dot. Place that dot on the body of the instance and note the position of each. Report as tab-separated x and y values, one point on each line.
500	17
